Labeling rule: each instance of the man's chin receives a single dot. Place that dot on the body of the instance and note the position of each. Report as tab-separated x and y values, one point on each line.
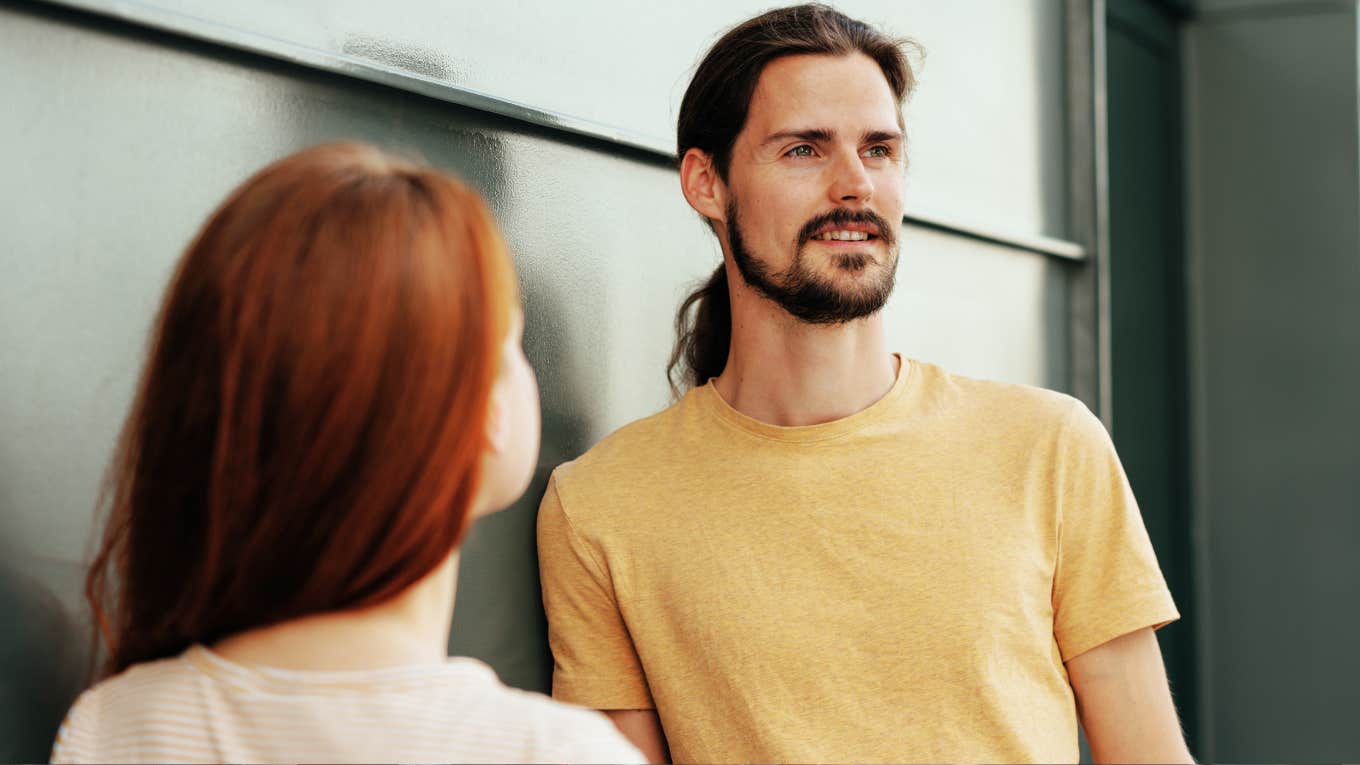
853	276
852	264
835	301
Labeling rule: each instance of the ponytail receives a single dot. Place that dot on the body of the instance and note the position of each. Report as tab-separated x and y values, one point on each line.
701	345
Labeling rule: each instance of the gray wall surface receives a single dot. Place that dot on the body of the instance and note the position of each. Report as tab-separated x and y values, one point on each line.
119	140
608	63
1274	192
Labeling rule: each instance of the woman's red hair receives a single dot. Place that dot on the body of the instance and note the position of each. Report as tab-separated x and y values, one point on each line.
309	426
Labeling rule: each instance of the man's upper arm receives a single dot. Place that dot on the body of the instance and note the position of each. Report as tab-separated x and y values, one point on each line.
1106	582
594	661
1108	597
1125	702
643	728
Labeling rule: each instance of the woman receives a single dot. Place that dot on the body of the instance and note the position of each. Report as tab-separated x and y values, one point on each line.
335	391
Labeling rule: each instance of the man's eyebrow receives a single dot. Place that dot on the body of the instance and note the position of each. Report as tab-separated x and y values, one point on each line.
810	134
824	135
877	136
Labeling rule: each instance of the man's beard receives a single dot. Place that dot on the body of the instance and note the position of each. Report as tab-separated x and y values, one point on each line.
802	292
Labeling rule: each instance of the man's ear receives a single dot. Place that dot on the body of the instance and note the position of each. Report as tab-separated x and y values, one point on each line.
703	189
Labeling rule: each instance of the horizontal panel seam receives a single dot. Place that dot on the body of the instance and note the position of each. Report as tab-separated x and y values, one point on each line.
1257	9
140	14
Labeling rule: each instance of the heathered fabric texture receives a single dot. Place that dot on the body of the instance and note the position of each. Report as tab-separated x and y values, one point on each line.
903	584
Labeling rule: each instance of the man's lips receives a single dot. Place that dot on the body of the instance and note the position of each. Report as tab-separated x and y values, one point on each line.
839	228
850	231
845	235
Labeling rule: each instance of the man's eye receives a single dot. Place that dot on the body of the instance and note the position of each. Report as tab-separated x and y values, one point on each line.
802	150
879	151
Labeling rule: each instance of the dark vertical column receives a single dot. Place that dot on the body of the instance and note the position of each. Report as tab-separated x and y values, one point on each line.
1147	298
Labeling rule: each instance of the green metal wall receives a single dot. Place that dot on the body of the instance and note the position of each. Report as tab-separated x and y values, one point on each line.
119	139
1273	185
1235	310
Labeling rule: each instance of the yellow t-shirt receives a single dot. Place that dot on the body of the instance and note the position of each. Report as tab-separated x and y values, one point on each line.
903	584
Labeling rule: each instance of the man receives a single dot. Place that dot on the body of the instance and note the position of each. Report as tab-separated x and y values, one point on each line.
827	552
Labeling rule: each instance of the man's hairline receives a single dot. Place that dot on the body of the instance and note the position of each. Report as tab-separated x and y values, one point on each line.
899	102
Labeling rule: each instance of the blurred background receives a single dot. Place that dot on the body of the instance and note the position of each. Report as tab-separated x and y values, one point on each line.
1152	205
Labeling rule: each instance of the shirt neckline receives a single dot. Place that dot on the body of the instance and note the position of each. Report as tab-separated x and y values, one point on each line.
713	401
234	673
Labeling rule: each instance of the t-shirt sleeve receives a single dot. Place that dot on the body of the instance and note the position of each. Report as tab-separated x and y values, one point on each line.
594	661
1107	582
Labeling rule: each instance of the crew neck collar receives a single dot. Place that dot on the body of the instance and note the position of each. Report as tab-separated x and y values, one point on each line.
257	676
713	401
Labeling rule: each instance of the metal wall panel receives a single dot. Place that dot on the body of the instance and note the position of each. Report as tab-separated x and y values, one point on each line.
987	125
1274	187
120	140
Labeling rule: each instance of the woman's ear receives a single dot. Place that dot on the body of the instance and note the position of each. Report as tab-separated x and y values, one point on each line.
702	187
497	423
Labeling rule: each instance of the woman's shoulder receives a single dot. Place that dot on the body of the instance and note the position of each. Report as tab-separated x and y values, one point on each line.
457	710
546	729
121	702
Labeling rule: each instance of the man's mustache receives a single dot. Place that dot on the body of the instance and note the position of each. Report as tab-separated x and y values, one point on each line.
885	231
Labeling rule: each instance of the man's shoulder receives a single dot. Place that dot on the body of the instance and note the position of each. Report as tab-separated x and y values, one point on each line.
635	454
1003	404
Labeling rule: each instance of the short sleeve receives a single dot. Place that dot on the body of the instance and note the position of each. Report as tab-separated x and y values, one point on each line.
1106	582
594	661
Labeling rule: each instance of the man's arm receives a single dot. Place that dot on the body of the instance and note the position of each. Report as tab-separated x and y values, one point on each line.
643	728
1125	702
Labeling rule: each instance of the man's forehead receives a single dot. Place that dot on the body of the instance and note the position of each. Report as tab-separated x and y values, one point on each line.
793	91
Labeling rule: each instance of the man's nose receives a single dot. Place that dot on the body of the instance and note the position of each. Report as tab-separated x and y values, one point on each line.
850	180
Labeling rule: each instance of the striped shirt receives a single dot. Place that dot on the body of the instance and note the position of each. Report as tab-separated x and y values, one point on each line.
200	707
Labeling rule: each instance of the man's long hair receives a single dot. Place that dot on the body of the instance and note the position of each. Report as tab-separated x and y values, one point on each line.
713	113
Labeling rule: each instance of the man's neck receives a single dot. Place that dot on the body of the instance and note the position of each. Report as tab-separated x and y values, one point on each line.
785	372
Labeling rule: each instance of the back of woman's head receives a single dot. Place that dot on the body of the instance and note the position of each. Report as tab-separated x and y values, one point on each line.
309	425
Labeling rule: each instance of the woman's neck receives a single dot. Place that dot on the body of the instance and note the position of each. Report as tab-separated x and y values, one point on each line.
411	628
